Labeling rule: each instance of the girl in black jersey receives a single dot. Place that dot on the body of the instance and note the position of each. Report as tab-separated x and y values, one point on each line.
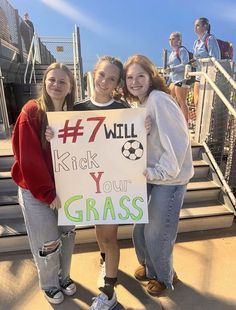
107	75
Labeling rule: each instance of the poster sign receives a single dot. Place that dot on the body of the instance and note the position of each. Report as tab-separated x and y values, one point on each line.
98	161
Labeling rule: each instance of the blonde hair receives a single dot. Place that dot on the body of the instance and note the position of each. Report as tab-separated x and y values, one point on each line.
45	103
177	35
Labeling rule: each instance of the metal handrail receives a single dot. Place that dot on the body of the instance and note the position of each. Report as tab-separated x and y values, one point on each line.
36	50
75	64
30	56
188	73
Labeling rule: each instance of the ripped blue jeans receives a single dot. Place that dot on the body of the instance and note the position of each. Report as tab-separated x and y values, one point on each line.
43	231
155	240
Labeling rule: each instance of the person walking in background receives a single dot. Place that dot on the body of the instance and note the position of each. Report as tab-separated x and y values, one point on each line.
51	246
169	169
205	46
28	22
178	58
27	31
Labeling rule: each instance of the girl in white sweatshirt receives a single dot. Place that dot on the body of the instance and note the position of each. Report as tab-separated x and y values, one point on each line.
169	169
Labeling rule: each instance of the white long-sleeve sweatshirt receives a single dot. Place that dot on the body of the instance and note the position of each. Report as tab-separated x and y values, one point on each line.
169	156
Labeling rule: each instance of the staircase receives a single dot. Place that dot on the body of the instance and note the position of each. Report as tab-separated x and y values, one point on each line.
17	94
206	205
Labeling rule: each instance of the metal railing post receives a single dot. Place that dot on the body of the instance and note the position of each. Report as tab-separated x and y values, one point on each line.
30	55
79	62
75	66
3	106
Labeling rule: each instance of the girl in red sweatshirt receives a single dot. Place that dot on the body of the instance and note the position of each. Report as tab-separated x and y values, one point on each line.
51	246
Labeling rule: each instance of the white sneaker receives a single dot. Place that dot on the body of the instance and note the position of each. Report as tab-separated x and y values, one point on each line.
54	296
101	302
68	287
101	274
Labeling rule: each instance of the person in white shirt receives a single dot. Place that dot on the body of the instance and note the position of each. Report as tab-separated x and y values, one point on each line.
178	58
205	46
169	169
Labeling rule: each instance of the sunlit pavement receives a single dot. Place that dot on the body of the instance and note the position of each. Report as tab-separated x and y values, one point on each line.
204	262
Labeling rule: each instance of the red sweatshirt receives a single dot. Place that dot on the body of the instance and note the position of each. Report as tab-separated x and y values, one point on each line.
32	168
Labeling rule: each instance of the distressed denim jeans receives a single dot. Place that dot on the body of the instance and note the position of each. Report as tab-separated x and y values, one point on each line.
154	241
42	228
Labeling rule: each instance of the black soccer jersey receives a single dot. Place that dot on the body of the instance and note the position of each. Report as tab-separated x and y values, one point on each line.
89	104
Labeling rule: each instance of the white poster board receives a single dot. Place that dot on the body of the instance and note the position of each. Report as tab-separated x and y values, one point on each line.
98	161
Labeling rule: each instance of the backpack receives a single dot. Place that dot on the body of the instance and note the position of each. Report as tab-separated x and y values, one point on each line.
226	48
190	54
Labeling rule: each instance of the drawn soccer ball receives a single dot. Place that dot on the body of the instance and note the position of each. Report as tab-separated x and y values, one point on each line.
132	149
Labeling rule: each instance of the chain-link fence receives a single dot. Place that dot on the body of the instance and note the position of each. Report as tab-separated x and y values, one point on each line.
67	51
227	160
61	48
217	126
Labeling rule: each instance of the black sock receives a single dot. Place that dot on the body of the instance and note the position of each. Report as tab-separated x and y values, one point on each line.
110	281
103	256
108	288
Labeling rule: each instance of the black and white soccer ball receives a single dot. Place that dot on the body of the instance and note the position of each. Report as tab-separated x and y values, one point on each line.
132	149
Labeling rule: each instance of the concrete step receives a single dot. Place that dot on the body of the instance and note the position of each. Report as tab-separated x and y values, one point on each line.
15	226
8	199
6	162
5	175
202	195
13	236
196	150
202	190
204	215
201	169
203	208
7	186
196	191
203	184
205	190
12	211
